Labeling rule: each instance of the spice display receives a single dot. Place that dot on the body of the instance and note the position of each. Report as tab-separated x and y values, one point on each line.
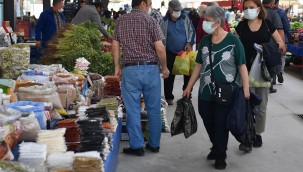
109	103
87	164
72	135
14	59
112	87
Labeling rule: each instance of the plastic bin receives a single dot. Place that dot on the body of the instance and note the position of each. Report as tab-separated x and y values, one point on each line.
29	106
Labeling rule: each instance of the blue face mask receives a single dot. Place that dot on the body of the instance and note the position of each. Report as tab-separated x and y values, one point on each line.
251	14
207	27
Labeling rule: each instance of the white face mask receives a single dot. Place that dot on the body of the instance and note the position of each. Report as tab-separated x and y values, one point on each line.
207	27
251	14
60	10
176	14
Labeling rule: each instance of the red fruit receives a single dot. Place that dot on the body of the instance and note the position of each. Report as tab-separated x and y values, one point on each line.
180	53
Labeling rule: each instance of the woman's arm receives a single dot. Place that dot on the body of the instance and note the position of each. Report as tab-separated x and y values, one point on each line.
244	77
193	79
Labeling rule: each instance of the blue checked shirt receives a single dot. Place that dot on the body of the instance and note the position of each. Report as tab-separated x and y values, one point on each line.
156	15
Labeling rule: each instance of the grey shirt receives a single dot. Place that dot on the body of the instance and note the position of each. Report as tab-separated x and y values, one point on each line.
89	13
274	18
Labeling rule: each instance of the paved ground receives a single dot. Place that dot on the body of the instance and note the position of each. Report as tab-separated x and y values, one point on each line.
281	152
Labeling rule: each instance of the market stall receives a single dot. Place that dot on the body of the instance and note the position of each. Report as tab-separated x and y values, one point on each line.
61	116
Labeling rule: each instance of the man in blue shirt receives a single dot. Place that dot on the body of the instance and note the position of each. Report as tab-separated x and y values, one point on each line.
286	28
179	35
49	23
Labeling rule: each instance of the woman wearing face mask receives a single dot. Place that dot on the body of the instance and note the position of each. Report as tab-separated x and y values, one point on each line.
200	33
228	61
254	29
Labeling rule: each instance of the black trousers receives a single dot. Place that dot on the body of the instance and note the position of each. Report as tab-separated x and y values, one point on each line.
169	82
214	117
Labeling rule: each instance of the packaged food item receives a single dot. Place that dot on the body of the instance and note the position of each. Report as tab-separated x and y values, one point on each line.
112	87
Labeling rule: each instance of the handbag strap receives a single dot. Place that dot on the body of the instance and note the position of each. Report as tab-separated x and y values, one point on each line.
268	31
212	74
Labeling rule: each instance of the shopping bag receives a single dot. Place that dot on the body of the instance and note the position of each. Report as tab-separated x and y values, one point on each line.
255	75
190	120
184	120
249	135
181	64
192	58
176	126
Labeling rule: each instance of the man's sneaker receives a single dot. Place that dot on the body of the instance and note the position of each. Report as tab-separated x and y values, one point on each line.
220	164
155	150
211	156
258	142
137	152
280	77
245	148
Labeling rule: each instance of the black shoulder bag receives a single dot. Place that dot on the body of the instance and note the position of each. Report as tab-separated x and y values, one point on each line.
223	92
271	52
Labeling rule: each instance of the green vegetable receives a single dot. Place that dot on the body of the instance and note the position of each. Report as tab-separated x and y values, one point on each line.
79	41
296	25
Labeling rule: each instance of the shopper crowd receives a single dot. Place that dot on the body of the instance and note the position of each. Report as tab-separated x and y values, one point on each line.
146	38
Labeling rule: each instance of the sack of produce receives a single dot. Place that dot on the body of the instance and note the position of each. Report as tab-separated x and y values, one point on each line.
13	59
181	64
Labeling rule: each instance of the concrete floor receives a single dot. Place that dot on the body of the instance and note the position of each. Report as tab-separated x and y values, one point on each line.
282	141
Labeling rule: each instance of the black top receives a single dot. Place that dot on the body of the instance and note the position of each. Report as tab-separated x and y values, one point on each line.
248	38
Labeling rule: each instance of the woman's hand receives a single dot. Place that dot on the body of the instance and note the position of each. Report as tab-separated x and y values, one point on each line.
246	93
186	92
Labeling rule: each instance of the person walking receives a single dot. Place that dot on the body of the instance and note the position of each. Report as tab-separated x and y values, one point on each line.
156	15
140	38
274	18
92	13
200	33
287	35
49	23
254	29
227	60
179	35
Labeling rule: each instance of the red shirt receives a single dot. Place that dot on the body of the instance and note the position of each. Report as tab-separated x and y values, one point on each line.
200	33
137	32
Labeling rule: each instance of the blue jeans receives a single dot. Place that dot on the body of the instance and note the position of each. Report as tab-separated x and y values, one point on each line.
137	80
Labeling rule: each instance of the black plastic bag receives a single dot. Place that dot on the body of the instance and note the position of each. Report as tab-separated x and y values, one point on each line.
249	136
176	126
184	119
190	120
